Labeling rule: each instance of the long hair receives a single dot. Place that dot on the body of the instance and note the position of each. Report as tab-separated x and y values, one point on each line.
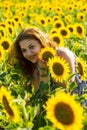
30	33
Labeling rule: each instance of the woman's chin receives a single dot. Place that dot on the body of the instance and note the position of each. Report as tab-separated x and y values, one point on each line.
34	61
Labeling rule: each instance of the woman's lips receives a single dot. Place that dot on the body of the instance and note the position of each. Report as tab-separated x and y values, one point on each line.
32	57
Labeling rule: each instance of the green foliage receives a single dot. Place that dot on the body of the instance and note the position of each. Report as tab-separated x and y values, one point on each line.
31	104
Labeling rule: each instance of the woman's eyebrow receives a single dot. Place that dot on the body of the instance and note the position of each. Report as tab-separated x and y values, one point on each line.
30	44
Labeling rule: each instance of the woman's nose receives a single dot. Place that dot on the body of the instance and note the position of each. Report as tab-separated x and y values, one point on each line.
28	53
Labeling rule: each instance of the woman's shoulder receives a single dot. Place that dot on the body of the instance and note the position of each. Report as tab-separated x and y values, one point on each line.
64	50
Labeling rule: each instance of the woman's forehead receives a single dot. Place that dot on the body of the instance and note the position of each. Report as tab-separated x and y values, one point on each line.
27	42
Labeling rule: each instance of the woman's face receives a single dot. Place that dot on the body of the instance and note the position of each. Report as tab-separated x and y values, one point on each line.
30	49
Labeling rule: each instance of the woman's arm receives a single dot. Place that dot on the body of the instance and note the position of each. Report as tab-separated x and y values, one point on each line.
69	57
35	79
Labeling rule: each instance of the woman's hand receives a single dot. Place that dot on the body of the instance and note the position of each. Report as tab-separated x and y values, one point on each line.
43	70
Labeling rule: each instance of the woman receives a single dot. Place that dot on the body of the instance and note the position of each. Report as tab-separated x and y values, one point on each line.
27	47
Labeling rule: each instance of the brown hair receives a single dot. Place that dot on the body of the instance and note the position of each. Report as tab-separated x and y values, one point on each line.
30	33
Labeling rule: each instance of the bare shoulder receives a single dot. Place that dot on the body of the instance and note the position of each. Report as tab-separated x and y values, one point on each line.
69	56
65	51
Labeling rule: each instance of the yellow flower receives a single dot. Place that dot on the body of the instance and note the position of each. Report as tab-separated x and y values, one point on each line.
71	28
79	30
56	17
53	31
58	39
58	24
68	19
64	32
81	16
9	108
59	69
42	20
2	31
64	112
49	20
81	68
76	45
84	8
6	43
70	7
47	53
11	22
7	14
10	30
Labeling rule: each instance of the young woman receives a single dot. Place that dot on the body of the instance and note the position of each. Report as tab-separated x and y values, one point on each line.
27	47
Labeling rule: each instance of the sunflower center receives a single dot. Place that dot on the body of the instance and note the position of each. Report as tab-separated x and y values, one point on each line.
84	9
7	107
16	19
42	21
64	113
0	54
5	45
10	30
55	19
2	33
58	25
53	32
58	69
64	32
81	17
56	39
46	55
71	29
80	69
79	29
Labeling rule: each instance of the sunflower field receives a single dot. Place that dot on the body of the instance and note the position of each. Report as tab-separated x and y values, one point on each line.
21	108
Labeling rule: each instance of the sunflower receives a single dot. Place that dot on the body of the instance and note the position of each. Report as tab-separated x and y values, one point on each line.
79	30
58	39
55	18
84	8
7	14
58	10
53	31
81	68
20	24
6	44
76	46
59	69
46	53
11	22
64	32
16	19
42	20
81	16
32	18
2	24
71	28
2	31
58	24
70	7
22	14
68	19
9	108
49	20
10	30
64	112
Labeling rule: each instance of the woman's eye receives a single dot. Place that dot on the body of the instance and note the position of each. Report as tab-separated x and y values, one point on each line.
23	50
31	47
